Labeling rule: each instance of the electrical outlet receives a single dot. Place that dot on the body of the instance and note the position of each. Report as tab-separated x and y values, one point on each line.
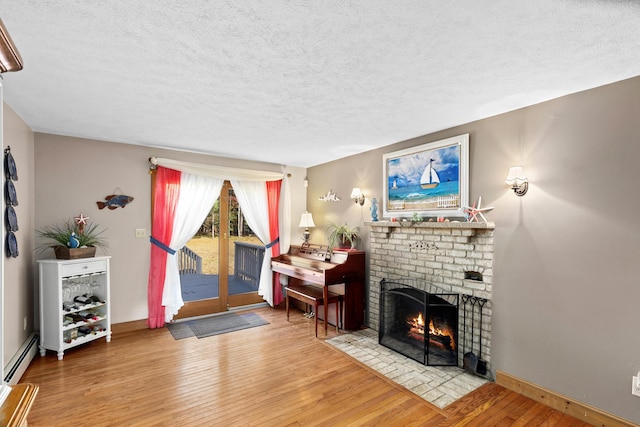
141	232
635	385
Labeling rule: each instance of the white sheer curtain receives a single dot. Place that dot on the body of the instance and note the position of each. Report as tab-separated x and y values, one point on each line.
252	197
197	196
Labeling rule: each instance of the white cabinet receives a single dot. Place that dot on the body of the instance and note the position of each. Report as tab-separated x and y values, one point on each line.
74	303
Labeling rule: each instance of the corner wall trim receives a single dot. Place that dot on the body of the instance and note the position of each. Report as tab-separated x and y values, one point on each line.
561	403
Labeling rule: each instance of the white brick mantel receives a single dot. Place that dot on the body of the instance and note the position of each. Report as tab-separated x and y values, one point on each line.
459	225
430	255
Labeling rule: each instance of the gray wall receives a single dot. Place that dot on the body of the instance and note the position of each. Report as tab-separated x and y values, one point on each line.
18	279
566	295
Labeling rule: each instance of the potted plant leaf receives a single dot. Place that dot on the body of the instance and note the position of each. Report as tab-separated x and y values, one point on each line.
73	239
342	236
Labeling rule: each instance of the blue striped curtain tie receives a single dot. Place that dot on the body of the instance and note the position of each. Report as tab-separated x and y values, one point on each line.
270	245
161	245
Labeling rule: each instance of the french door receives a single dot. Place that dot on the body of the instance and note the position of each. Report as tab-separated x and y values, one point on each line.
226	252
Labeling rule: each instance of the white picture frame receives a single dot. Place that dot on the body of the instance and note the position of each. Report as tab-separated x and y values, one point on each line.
429	180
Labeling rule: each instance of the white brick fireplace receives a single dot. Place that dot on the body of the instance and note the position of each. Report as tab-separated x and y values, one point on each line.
447	257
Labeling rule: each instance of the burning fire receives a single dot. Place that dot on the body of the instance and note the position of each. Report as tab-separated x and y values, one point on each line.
416	329
417	324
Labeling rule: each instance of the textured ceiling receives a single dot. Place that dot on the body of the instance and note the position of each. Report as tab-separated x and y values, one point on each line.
303	82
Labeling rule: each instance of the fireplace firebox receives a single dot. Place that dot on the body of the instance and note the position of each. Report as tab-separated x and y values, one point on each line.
418	324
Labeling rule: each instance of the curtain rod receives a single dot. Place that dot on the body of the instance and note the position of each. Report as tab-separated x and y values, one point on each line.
219	171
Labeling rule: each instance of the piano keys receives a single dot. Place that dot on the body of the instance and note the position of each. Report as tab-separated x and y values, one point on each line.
339	271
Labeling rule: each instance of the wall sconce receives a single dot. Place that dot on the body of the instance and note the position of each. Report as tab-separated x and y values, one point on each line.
306	182
10	59
357	196
517	180
306	221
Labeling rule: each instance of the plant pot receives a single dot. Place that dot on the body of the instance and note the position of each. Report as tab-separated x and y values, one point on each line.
344	243
63	252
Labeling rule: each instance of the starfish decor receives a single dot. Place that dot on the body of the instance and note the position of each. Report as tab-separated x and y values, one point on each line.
473	212
81	220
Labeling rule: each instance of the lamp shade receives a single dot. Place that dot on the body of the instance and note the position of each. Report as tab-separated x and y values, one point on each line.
516	176
356	193
306	220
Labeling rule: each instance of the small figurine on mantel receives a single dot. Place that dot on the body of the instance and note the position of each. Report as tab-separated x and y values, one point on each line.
374	209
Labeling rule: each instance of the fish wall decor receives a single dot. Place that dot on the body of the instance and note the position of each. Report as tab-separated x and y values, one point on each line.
114	201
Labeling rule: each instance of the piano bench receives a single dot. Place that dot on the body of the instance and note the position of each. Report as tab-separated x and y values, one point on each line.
313	295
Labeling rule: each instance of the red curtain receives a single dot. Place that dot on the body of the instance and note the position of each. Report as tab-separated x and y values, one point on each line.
273	201
166	193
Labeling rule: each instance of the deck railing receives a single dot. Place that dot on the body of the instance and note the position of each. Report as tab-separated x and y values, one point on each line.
189	262
248	262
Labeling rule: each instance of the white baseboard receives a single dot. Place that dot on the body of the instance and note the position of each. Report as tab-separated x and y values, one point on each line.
561	403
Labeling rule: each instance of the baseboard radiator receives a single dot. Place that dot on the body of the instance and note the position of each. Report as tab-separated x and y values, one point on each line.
20	362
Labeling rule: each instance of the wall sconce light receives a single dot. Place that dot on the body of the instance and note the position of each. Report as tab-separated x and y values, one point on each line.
10	59
357	196
306	221
517	180
306	182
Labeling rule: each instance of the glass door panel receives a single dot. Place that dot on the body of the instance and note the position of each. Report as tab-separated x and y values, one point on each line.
218	265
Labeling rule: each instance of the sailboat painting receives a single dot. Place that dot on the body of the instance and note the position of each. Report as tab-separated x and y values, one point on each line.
430	179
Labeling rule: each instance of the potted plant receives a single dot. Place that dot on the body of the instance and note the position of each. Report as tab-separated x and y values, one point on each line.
73	239
343	236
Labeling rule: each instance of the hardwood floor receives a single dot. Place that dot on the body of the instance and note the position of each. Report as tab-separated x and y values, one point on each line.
273	375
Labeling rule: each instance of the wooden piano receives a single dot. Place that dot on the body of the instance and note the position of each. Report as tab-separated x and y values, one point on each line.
340	272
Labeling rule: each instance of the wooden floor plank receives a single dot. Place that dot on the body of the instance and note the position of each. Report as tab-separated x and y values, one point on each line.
273	375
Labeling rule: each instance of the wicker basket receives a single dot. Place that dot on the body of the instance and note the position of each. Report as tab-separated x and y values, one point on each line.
63	252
